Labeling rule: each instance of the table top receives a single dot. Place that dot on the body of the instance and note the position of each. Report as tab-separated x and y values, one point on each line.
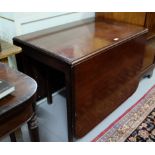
25	88
7	49
76	43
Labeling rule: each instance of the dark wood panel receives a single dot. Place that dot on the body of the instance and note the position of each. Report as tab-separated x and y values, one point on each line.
137	18
12	120
150	24
104	82
149	54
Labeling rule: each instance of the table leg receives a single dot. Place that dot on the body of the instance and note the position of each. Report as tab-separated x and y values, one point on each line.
13	137
49	92
16	136
70	108
33	129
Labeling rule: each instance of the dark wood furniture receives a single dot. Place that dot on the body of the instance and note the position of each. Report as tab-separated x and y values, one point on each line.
99	63
145	19
18	107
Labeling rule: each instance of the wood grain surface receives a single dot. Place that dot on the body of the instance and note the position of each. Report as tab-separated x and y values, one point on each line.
17	107
100	63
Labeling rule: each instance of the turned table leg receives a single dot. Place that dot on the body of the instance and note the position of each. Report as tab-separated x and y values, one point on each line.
12	137
33	129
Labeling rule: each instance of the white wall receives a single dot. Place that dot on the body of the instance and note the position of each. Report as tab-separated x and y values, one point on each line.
7	29
13	24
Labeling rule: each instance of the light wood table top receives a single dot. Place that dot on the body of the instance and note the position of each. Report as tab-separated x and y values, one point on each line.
7	49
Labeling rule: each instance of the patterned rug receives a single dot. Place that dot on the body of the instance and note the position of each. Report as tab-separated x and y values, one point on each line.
137	124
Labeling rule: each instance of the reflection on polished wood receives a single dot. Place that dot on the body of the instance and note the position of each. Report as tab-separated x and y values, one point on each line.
79	42
145	19
98	62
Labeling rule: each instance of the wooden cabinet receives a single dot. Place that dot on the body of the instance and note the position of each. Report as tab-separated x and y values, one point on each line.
145	19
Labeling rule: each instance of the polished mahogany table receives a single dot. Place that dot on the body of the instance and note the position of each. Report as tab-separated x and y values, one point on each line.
18	107
99	63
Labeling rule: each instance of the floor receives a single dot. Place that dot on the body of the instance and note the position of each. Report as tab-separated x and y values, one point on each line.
53	118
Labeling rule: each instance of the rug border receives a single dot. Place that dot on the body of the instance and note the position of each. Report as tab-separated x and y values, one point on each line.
114	122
